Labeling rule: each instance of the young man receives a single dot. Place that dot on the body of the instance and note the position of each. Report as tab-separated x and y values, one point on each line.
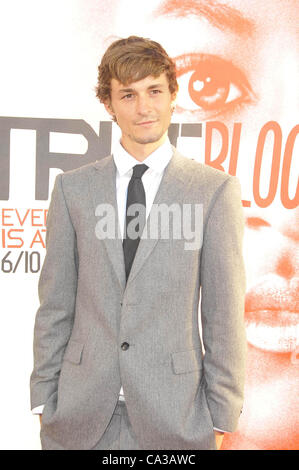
119	362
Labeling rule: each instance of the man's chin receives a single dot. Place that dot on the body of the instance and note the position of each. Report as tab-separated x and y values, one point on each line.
148	139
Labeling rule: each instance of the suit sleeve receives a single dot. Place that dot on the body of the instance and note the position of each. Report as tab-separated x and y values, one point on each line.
223	286
57	293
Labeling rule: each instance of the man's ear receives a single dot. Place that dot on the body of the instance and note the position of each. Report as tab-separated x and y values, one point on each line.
108	107
173	100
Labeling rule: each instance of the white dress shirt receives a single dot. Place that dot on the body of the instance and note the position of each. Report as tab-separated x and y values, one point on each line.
124	162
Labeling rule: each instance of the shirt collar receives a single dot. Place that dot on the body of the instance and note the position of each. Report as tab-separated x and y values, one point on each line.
156	161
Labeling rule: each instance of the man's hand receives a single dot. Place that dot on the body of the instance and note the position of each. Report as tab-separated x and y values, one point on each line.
218	438
40	419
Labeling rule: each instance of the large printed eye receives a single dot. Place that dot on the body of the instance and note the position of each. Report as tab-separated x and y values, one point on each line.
209	86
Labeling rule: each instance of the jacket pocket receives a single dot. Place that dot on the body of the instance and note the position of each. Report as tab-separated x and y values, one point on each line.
73	352
186	361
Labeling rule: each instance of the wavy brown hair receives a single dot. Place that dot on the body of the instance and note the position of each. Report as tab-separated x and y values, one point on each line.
132	59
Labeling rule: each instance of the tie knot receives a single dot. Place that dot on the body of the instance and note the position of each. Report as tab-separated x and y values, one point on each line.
138	170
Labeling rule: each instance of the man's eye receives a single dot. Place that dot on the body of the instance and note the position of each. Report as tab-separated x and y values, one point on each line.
128	96
210	85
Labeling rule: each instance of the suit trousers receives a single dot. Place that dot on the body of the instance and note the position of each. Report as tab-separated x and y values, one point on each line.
119	434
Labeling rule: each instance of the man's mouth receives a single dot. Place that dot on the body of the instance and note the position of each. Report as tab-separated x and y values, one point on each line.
272	314
145	123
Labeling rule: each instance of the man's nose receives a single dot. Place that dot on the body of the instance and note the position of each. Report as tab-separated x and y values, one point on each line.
143	105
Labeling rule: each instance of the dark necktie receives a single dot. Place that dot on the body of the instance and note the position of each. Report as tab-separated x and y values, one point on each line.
136	195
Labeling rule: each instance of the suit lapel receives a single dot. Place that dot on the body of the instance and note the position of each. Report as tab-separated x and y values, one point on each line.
172	189
103	190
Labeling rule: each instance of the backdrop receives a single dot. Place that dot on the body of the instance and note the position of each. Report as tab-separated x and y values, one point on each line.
237	110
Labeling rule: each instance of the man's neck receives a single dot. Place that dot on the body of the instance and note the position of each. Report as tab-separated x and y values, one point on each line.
141	151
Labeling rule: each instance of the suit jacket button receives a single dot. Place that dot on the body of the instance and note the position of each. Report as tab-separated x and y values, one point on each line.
125	346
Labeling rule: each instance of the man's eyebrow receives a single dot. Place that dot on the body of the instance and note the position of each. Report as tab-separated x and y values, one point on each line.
218	14
126	90
131	90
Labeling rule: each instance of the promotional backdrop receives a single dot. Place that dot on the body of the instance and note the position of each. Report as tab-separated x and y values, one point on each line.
237	110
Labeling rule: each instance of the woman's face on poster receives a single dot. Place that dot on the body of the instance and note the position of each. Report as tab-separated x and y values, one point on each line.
237	62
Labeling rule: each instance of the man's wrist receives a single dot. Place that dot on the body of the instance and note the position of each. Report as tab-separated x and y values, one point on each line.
219	430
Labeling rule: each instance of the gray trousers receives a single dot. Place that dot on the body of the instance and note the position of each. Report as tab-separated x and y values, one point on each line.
119	434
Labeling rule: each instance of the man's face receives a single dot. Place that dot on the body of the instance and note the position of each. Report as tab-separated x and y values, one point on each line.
142	109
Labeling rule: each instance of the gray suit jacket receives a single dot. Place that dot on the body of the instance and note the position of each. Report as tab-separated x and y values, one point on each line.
175	389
